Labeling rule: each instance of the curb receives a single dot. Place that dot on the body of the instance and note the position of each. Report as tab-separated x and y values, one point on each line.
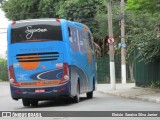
4	82
157	100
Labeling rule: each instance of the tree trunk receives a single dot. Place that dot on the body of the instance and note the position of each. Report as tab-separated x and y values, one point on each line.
131	71
103	47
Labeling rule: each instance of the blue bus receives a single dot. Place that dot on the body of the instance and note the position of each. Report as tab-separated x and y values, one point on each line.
50	58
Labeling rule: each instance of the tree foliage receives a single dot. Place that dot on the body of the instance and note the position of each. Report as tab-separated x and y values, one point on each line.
151	6
142	38
142	21
26	9
3	70
84	12
75	10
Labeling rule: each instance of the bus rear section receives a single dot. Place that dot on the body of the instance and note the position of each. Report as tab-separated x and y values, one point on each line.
37	61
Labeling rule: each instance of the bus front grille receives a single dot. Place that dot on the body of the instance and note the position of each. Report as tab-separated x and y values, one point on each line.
37	57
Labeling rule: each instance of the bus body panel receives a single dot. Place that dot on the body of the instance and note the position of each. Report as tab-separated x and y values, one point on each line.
84	67
26	70
40	78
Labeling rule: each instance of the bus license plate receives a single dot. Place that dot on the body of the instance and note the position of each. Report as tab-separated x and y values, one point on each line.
39	90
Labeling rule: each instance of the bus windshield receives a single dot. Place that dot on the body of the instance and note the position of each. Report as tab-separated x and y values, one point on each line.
35	31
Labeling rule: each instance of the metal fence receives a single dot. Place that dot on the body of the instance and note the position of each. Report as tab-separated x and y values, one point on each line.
146	74
103	70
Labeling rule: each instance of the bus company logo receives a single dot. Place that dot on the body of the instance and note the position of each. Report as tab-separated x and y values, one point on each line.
31	31
20	114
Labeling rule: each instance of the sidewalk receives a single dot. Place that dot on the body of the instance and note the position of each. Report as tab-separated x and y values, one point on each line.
4	89
130	91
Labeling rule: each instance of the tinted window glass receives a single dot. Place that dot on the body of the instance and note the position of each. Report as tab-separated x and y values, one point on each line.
36	31
90	41
73	38
81	39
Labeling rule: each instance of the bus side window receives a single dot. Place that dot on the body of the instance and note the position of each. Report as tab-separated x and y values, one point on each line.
73	39
86	41
81	39
90	41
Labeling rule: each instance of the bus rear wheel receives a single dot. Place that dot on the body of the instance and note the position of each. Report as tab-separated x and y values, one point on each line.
34	103
25	102
76	98
89	95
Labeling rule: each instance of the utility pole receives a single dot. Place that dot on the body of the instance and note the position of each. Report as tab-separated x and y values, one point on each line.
123	45
111	47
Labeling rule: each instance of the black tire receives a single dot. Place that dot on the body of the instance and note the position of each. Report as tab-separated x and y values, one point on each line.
94	87
76	98
89	95
25	102
34	103
67	101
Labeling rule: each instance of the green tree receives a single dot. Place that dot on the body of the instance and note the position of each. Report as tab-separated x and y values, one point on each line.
142	19
26	9
3	70
83	11
151	6
142	22
75	10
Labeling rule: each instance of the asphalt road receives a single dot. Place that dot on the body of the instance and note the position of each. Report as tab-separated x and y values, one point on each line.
100	102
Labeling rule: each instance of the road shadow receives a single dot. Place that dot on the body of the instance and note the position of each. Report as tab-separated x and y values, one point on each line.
57	103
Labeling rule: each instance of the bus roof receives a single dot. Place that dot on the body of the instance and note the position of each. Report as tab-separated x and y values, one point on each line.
35	20
52	19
